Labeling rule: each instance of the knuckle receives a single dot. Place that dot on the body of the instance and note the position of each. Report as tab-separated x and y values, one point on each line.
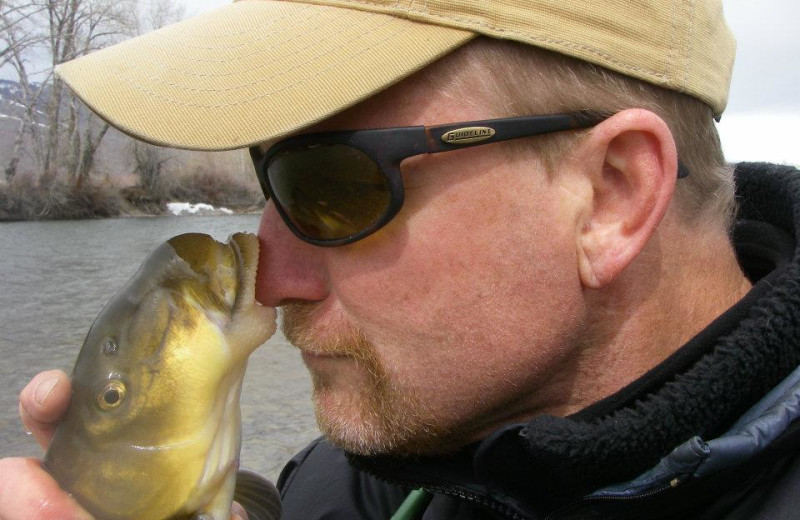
8	468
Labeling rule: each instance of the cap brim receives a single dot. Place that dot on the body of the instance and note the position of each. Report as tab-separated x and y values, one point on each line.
251	71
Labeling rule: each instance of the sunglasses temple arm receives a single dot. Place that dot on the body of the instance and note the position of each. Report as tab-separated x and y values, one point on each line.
513	128
256	156
475	133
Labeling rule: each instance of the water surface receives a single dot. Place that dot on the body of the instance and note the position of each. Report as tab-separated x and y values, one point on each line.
56	276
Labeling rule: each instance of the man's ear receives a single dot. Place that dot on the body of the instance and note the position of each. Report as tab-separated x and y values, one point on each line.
630	161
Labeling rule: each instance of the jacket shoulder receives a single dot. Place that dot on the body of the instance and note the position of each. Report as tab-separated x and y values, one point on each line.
775	496
319	483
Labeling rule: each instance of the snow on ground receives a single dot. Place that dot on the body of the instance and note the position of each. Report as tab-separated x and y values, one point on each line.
188	208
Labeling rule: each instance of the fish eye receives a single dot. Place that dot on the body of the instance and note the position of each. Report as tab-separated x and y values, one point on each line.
112	395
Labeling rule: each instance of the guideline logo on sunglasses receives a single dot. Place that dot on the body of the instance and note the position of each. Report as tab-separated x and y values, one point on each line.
469	134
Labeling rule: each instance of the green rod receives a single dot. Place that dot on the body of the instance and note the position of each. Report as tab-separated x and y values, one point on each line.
413	506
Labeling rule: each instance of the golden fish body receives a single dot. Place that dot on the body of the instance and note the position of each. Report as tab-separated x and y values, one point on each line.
154	428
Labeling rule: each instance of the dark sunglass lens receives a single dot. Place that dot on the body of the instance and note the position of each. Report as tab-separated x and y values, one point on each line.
329	192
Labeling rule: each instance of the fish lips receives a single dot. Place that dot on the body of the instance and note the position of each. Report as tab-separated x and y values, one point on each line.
252	323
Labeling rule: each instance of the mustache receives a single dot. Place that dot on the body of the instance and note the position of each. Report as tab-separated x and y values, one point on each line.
298	326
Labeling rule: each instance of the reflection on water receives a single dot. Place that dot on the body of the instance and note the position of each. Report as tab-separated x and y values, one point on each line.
56	276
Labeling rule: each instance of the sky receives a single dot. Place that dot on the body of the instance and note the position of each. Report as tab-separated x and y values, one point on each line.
763	115
762	120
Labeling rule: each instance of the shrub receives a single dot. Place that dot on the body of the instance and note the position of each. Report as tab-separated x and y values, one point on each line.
219	190
25	199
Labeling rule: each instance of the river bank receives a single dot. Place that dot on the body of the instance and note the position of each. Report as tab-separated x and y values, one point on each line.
25	199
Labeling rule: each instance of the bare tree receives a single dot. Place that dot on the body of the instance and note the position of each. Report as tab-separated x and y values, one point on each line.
41	34
75	28
150	163
150	160
84	142
19	39
156	14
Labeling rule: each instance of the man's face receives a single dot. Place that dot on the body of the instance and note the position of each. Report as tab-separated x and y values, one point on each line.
456	317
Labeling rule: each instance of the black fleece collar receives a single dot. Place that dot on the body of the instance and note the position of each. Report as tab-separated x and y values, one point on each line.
700	390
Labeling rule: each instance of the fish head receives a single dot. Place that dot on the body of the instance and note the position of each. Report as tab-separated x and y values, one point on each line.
160	366
159	353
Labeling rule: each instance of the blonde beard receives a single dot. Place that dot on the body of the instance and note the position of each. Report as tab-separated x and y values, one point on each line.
379	417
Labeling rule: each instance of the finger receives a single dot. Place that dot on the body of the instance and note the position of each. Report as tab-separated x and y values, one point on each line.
42	403
238	512
29	492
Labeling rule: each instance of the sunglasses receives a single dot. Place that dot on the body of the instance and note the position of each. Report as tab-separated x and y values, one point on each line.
335	188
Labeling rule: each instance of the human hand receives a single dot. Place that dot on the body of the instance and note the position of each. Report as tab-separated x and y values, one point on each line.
27	491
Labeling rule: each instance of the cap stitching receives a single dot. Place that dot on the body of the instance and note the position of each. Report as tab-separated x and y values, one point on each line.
151	93
255	52
672	38
184	30
689	37
525	37
270	22
569	44
287	56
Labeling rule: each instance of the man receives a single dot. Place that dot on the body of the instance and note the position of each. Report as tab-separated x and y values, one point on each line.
556	326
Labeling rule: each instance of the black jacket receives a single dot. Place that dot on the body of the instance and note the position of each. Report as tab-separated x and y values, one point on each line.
710	433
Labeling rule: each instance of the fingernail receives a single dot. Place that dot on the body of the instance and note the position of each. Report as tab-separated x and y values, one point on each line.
44	389
22	415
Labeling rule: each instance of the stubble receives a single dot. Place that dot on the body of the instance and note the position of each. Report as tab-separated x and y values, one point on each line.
376	417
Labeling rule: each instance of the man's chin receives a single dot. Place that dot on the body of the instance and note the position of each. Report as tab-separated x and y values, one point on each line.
358	404
373	423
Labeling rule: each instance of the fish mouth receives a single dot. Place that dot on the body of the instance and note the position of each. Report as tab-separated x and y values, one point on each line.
251	323
245	249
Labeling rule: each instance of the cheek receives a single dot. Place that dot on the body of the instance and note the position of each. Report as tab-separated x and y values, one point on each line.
480	244
488	285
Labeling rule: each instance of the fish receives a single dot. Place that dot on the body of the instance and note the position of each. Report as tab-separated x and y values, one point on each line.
153	429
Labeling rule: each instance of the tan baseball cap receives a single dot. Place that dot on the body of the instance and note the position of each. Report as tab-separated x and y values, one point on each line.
260	69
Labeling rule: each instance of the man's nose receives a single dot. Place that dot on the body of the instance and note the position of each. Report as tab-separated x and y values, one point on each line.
289	270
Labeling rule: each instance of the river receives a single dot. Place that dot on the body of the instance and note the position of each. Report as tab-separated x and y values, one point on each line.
56	276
